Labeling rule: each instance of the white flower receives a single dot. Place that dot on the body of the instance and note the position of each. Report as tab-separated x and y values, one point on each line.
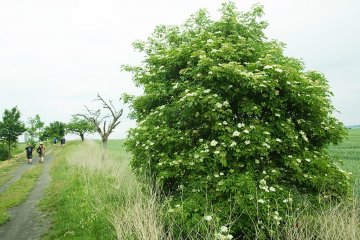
224	229
210	41
278	140
272	189
266	145
257	161
278	70
277	114
261	201
217	152
298	160
218	105
240	125
233	144
307	159
229	236
216	175
171	210
246	131
221	174
303	135
177	205
236	133
213	143
208	218
247	142
266	133
268	67
207	90
175	85
225	122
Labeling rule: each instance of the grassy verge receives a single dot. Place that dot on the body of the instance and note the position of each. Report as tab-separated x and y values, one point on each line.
7	167
18	191
94	199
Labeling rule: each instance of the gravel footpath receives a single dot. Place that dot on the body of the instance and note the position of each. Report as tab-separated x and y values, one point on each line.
27	222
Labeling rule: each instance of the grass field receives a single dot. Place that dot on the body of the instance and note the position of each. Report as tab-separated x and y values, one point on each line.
349	153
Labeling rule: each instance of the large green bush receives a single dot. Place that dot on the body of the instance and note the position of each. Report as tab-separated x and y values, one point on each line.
233	131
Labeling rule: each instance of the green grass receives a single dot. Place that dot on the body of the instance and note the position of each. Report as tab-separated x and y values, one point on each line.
18	191
90	198
348	152
8	166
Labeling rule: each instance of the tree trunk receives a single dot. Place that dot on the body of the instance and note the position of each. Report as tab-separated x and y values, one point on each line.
82	136
104	149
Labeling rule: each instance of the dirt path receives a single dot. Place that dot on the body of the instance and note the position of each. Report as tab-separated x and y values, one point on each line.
27	222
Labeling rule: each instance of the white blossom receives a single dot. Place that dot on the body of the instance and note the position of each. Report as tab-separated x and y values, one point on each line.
246	131
268	67
236	133
213	143
278	140
266	145
272	189
218	105
208	218
233	144
224	229
278	70
247	142
261	201
207	90
240	125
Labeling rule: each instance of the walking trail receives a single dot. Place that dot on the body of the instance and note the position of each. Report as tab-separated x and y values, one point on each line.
27	222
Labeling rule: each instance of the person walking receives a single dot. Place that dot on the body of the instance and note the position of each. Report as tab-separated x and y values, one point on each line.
41	151
62	141
55	140
29	150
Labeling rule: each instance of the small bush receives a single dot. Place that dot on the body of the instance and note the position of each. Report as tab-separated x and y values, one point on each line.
4	152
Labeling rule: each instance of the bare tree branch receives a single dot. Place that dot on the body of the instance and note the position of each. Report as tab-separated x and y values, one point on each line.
99	119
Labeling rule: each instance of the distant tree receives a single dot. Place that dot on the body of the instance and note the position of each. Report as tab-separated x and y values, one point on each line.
99	118
35	126
80	126
55	129
11	128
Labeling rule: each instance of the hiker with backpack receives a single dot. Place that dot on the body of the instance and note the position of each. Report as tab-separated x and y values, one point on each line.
41	151
29	150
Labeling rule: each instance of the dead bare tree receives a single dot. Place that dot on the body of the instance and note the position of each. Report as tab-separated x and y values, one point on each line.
105	122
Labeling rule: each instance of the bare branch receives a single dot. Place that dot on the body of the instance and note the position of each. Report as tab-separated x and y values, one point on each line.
99	119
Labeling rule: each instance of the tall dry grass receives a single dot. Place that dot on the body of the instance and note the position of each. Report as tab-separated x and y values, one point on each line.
133	208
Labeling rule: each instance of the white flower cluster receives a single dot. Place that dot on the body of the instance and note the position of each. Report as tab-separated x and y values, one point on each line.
303	135
223	234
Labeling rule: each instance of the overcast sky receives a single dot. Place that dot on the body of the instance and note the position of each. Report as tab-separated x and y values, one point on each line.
55	56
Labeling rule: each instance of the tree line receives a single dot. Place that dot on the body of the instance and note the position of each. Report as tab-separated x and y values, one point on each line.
102	120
